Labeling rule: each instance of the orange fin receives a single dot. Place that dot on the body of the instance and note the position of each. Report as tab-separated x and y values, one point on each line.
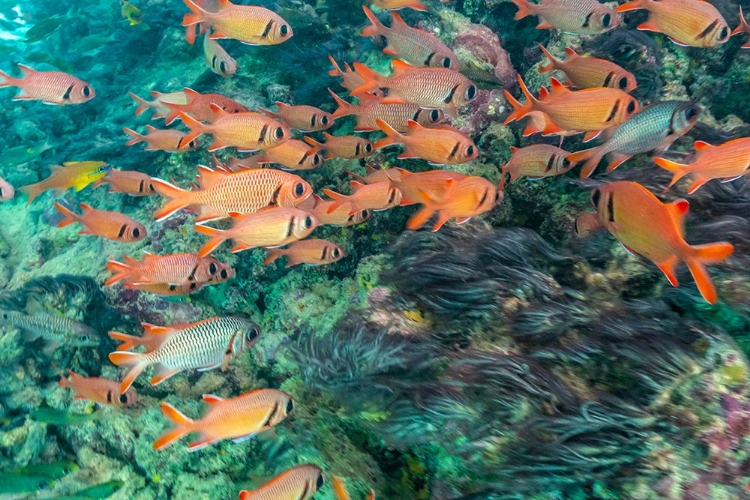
183	425
133	360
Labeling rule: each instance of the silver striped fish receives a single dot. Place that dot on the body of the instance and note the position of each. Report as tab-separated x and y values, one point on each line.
51	327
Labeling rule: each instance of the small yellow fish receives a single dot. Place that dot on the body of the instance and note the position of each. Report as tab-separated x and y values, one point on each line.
74	174
130	12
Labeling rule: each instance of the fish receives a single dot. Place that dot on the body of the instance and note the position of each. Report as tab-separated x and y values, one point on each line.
350	80
45	28
167	289
100	390
248	131
127	181
743	27
415	46
315	252
727	161
50	87
400	4
174	269
251	25
434	182
204	345
298	483
293	155
396	115
109	225
24	483
440	88
53	416
691	23
588	72
304	118
95	41
161	140
54	328
220	193
21	155
536	161
201	107
566	111
440	145
340	216
272	227
159	104
580	17
379	174
655	230
463	200
238	418
96	492
217	58
6	190
376	196
349	147
339	490
654	128
74	174
130	13
52	470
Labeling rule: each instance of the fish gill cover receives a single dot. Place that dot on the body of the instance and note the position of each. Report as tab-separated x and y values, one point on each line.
418	297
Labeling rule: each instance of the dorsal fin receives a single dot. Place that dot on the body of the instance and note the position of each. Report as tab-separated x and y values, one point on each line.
556	87
149	329
190	93
327	136
398	20
208	177
215	108
400	67
212	399
413	127
571	53
679	209
513	149
701	145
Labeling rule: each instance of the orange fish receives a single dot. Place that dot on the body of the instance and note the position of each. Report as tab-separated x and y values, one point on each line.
565	111
245	131
727	162
433	182
159	103
73	174
589	72
742	28
51	87
396	115
400	4
378	174
314	252
304	118
272	227
441	145
339	490
6	190
128	181
298	483
415	46
109	225
249	24
440	88
463	200
99	390
161	140
350	80
199	107
693	23
175	269
237	418
581	17
376	196
349	147
294	155
646	226
536	161
217	58
339	216
221	193
236	164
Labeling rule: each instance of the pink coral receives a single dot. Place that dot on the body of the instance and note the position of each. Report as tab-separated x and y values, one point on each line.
485	46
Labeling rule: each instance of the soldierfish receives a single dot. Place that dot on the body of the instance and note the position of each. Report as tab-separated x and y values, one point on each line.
581	17
463	200
247	23
73	174
694	23
217	58
219	193
301	117
535	161
350	80
376	196
109	225
51	87
298	483
6	190
343	146
378	174
293	155
205	345
727	162
245	131
339	216
340	492
161	140
312	251
177	269
198	106
100	390
440	145
400	4
237	418
433	182
159	103
396	115
655	230
127	181
654	127
415	46
588	72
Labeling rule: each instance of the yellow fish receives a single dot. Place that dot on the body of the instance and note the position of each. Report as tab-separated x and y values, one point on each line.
130	12
74	174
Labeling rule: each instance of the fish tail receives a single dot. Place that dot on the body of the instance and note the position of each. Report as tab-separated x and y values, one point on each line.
32	191
420	218
711	253
136	137
183	425
336	71
634	5
64	382
70	216
338	199
356	177
128	341
375	28
7	80
143	105
524	9
178	198
121	271
520	110
591	156
677	169
273	254
195	16
196	128
372	79
743	26
134	360
552	61
391	135
217	238
344	108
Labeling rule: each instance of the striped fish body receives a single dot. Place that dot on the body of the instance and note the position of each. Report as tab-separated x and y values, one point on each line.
297	483
397	116
175	269
198	106
538	160
442	145
51	87
248	131
590	72
582	17
129	182
248	24
161	140
113	226
339	216
217	58
301	117
434	182
51	327
159	104
349	147
293	154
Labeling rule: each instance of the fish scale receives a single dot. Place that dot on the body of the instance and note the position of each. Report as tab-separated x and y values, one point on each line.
51	327
297	483
53	87
244	192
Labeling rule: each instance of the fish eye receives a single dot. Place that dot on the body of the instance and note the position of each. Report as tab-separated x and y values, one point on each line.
336	252
470	151
5	315
191	144
289	407
212	269
222	67
316	159
623	83
279	133
471	92
123	399
136	232
86	91
446	62
723	33
224	273
172	288
498	196
606	20
252	334
320	481
595	197
365	214
83	338
368	148
307	222
151	188
565	162
631	107
391	196
691	112
299	189
193	286
435	115
324	120
284	30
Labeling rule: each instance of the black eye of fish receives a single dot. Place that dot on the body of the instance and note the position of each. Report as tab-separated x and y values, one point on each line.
308	222
191	144
691	113
299	189
623	83
335	253
606	20
446	62
284	29
279	133
252	335
5	315
368	148
224	273
212	269
136	232
435	115
316	159
86	91
470	151
471	92
193	286
123	398
324	120
631	107
320	481
222	67
566	162
595	196
365	214
723	33
289	407
83	338
151	188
